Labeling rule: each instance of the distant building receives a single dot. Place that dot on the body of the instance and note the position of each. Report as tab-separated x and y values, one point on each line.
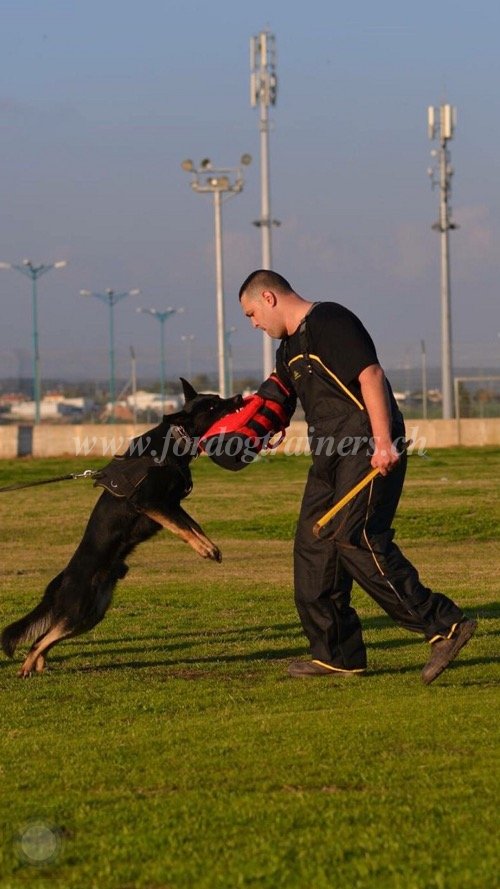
53	406
152	401
435	395
400	396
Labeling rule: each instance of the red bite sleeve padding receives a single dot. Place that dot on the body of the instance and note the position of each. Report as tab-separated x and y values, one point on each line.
236	421
256	419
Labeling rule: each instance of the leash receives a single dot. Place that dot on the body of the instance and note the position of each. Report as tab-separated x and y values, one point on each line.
178	432
89	473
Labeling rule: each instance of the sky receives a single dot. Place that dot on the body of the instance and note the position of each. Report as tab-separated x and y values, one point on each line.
101	101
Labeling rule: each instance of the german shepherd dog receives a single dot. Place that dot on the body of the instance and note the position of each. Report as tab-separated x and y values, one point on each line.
143	490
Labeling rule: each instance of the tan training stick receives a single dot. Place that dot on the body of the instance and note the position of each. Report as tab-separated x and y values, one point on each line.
348	497
344	501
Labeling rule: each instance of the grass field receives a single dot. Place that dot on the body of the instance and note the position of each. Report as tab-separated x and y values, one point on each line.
168	748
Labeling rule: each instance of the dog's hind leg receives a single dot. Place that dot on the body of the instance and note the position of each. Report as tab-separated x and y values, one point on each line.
36	657
36	623
103	585
180	523
40	663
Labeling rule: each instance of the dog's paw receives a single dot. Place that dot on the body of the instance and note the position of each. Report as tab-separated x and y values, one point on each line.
32	668
23	673
215	554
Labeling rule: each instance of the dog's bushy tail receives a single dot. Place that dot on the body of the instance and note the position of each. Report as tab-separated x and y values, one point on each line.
29	628
32	625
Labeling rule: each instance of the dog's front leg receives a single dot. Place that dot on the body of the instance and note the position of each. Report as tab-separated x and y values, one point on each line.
180	523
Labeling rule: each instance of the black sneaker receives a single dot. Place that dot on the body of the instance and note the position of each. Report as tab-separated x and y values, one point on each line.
308	669
445	650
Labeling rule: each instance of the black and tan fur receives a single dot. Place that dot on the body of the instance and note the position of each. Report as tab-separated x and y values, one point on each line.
78	598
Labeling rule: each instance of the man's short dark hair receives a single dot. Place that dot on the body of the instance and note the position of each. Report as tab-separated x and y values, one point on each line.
265	279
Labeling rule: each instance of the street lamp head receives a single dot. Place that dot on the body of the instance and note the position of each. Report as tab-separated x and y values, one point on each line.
246	160
85	293
143	311
219	182
5	265
188	166
26	262
170	310
135	292
60	264
206	164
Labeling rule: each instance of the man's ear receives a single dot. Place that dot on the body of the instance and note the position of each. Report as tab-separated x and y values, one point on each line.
189	392
269	296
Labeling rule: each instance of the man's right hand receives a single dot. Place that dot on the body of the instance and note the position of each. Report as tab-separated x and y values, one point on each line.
385	456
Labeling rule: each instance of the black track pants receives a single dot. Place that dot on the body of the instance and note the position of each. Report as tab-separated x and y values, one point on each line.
360	547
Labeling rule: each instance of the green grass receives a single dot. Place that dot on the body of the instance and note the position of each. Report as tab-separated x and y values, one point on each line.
170	749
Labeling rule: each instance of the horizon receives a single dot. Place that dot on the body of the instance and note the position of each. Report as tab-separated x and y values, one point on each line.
410	375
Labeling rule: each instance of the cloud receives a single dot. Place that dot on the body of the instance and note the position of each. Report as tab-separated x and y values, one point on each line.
402	254
394	256
241	253
319	247
406	255
479	235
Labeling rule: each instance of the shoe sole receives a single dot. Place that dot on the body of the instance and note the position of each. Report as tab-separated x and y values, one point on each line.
324	675
465	636
333	674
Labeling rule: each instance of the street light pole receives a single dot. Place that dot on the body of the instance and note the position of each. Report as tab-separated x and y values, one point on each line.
447	122
161	317
34	272
424	379
111	298
189	339
207	179
263	92
133	382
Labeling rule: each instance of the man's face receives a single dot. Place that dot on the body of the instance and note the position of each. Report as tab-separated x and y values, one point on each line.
264	313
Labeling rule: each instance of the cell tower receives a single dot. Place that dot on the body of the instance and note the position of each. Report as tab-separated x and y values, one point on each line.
441	125
263	91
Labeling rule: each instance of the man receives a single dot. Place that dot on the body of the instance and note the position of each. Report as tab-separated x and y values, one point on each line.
327	359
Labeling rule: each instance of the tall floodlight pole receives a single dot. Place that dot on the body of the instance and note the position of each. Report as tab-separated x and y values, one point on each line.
218	181
263	92
441	125
35	272
111	298
161	317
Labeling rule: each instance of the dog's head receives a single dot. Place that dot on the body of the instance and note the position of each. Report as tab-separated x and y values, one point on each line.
202	410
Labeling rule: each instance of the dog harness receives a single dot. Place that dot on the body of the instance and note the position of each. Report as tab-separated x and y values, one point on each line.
123	475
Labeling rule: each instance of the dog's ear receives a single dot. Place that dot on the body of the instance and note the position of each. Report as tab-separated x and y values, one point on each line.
189	392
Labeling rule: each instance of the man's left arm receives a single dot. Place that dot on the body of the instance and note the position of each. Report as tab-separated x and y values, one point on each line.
376	398
236	439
